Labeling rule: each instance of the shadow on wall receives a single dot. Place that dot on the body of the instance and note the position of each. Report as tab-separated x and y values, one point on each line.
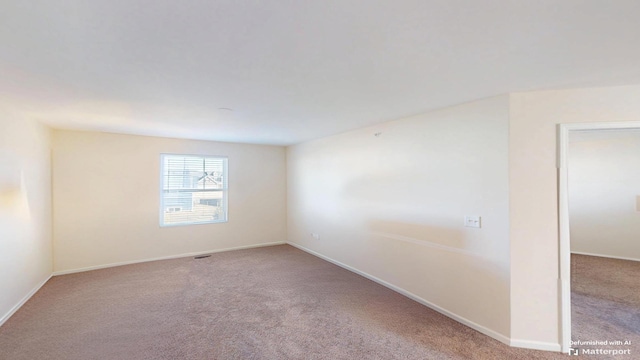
405	187
13	198
437	264
433	236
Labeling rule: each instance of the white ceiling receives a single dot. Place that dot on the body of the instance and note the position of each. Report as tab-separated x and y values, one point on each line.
296	70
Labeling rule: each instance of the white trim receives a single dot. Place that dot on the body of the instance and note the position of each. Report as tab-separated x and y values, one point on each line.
619	125
23	301
502	338
564	291
536	345
97	267
224	190
564	253
564	281
605	256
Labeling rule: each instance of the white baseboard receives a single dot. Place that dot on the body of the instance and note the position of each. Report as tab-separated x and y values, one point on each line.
24	300
500	337
604	256
97	267
536	345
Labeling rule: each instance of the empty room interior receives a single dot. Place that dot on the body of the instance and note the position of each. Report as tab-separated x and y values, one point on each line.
319	179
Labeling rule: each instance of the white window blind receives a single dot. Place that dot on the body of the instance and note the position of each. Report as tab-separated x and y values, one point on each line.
193	189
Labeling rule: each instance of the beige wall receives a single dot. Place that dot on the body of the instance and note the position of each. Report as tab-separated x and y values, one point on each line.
604	183
533	196
392	206
25	210
106	199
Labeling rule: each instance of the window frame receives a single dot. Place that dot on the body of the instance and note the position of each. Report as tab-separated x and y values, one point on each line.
224	190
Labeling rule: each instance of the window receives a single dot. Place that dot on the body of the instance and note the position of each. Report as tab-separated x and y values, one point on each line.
193	189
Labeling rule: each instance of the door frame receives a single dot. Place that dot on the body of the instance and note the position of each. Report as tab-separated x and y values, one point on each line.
564	248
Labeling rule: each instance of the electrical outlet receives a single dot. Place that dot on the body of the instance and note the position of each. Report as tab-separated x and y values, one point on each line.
315	236
472	221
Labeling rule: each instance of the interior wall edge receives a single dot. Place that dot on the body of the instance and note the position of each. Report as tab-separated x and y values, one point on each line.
170	257
24	300
482	329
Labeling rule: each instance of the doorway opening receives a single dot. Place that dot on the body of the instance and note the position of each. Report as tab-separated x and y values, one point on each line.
564	132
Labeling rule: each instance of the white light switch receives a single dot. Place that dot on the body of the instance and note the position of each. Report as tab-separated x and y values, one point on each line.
315	236
472	221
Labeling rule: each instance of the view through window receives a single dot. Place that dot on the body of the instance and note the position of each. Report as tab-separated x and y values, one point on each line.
193	189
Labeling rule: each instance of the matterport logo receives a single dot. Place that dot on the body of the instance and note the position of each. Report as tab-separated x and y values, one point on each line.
597	347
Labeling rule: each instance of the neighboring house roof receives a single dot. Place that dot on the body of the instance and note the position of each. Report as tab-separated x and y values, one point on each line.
209	182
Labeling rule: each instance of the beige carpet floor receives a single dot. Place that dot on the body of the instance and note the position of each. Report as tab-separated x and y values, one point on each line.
605	304
267	303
